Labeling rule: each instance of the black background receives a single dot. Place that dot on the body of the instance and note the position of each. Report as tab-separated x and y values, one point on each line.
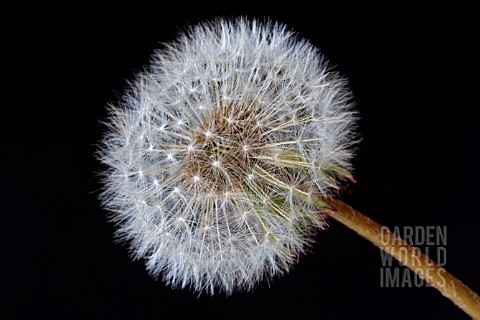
414	74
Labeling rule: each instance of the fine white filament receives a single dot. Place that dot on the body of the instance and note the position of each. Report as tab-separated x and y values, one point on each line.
205	152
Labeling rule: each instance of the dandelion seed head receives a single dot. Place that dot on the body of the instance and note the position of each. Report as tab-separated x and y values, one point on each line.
235	116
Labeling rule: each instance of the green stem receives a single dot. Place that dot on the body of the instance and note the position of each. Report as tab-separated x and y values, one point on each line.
427	269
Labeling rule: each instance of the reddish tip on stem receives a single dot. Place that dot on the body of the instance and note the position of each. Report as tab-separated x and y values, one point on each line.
351	178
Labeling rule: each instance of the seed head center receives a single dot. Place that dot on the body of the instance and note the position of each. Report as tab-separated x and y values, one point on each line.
225	145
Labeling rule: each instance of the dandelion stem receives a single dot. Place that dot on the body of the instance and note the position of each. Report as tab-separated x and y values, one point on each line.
382	237
427	269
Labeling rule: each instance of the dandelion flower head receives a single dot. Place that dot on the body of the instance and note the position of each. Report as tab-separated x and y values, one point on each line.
208	151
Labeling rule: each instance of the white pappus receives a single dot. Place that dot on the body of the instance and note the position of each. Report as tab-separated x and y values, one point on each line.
206	153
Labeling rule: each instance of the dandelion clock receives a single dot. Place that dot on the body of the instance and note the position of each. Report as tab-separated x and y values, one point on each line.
227	152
